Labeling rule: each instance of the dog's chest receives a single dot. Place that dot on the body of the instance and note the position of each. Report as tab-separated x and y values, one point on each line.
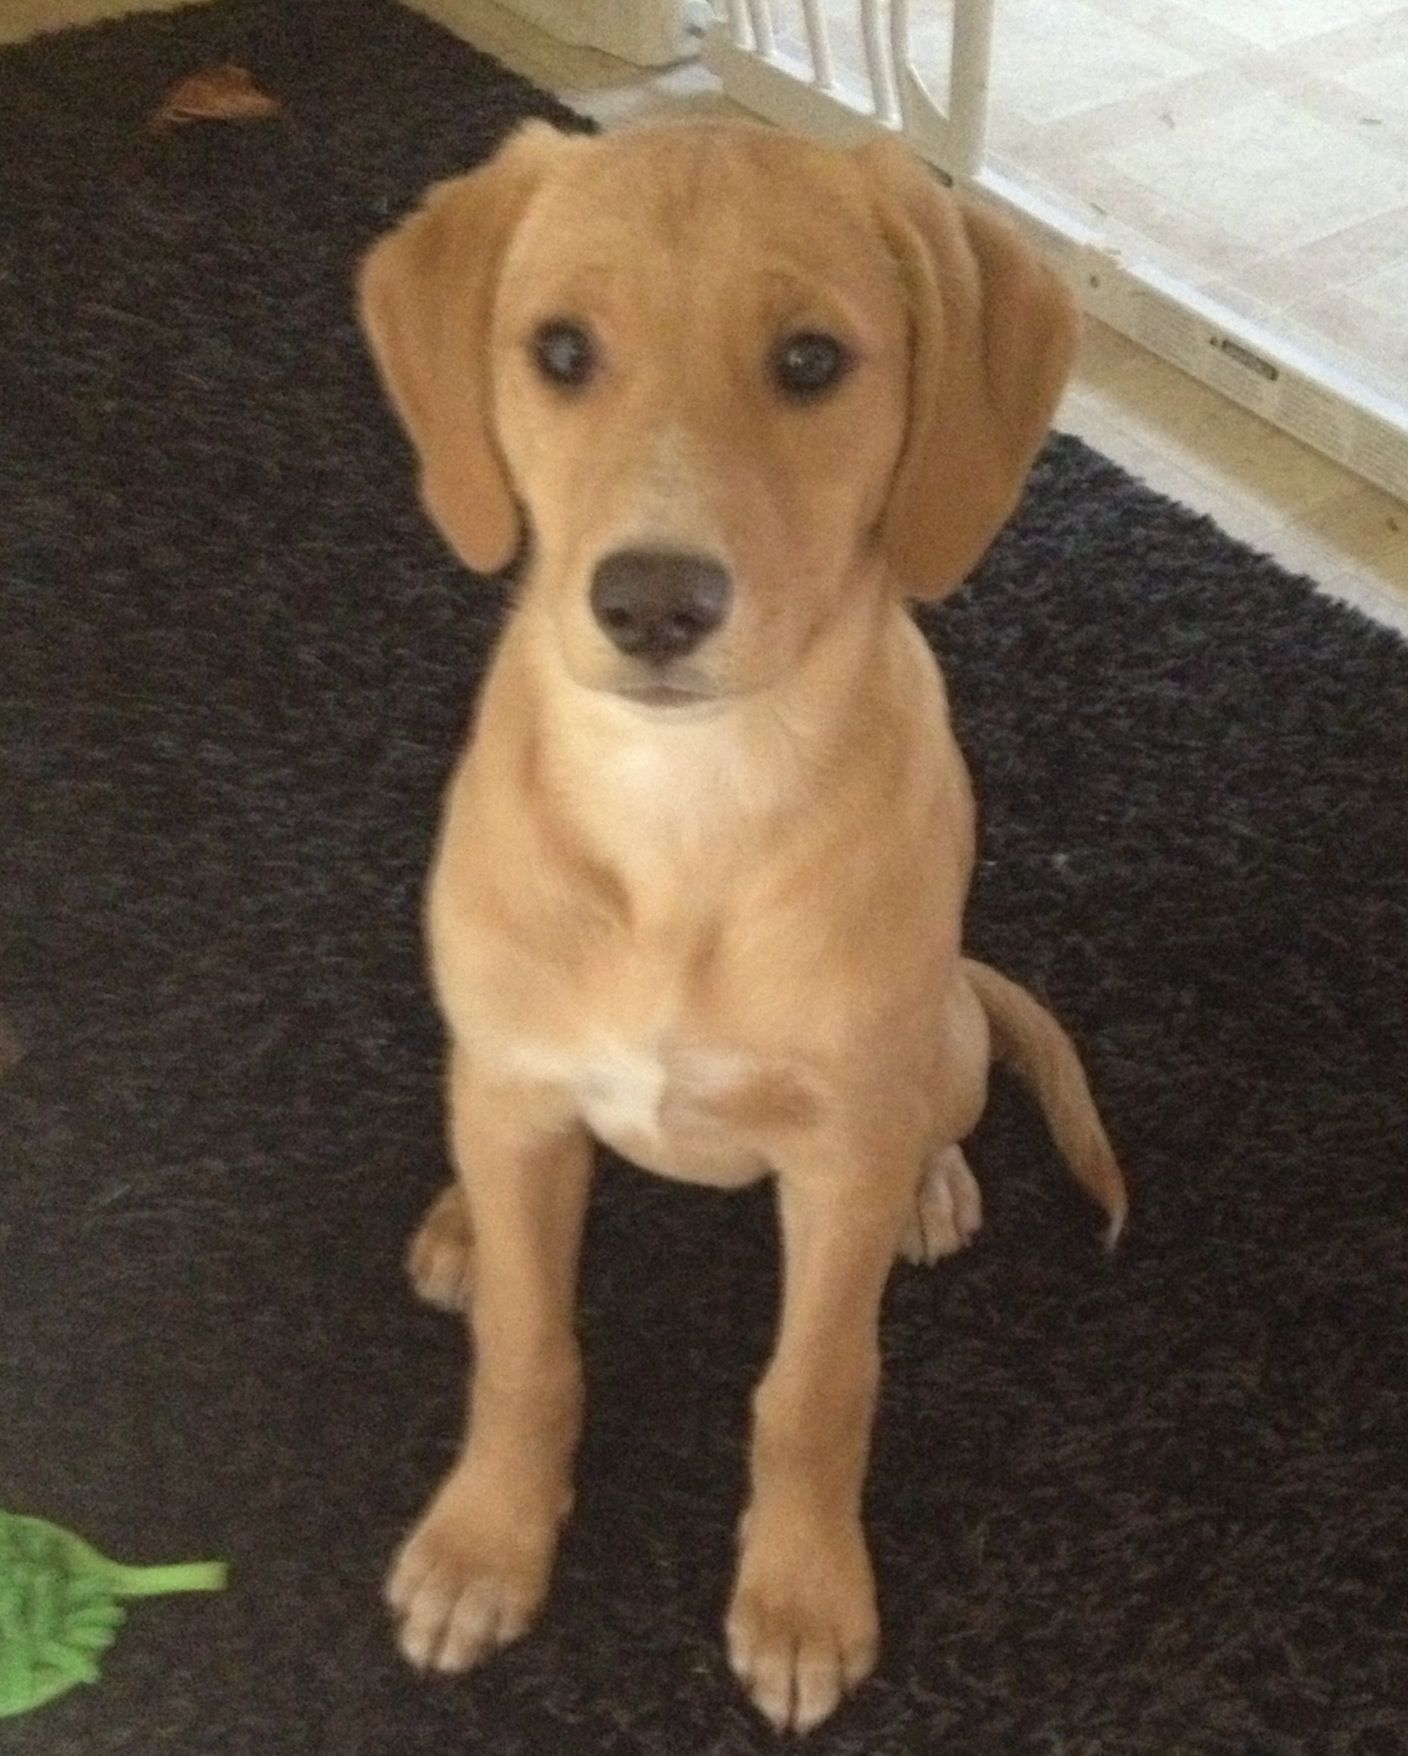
621	1091
686	1113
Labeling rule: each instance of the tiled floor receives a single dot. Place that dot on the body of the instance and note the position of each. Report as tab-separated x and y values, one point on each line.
1259	484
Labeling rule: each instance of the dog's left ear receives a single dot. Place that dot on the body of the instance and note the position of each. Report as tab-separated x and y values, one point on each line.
992	338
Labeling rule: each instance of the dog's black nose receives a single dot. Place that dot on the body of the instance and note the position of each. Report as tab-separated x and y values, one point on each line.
657	604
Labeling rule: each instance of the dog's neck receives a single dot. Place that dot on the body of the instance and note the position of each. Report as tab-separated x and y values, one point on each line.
668	798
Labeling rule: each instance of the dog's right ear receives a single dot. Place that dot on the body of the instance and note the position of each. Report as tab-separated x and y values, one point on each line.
993	335
426	297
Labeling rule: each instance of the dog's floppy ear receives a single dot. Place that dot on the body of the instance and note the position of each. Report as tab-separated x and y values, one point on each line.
426	296
992	337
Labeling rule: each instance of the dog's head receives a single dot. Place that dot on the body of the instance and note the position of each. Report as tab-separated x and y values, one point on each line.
733	383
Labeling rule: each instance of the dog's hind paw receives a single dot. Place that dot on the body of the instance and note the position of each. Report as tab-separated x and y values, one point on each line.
442	1252
947	1213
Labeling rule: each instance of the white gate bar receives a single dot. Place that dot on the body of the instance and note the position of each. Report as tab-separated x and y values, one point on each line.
738	24
819	42
877	65
969	74
764	37
954	137
781	91
900	54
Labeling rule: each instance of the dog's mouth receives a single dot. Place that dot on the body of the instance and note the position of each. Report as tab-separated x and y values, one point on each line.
668	689
667	694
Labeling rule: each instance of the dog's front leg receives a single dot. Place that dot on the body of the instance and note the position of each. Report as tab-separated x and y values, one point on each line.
802	1627
475	1570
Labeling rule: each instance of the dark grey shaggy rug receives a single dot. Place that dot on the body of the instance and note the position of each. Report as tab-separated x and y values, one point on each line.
1155	1504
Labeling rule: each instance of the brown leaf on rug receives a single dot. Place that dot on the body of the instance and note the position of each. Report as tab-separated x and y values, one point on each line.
216	94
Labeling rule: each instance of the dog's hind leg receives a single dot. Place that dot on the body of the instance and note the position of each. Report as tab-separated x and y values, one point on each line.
947	1211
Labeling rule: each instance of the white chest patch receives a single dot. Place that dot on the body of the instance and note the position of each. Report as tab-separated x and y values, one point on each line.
621	1093
646	1104
619	1090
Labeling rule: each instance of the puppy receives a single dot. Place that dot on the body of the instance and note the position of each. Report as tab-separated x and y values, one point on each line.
701	874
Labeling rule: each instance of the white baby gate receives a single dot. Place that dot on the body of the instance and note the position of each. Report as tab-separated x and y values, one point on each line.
799	84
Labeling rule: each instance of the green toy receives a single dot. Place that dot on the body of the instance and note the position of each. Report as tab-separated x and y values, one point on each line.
59	1609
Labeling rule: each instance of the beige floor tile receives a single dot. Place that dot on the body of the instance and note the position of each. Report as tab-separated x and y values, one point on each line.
1054	58
1384	34
1352	254
1267	172
1107	360
1364	326
1166	109
1326	547
1380	84
1231	450
529	51
1385	130
1274	23
1091	419
1201	35
676	91
1386	294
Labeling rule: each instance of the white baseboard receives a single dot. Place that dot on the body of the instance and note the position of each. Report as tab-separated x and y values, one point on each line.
648	33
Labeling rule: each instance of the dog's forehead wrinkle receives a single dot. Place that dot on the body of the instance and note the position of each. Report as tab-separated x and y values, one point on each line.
663	498
704	195
717	269
673	464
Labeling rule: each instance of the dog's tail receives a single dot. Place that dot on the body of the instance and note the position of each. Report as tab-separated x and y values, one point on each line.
1033	1044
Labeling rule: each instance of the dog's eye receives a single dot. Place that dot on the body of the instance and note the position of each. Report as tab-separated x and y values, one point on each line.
809	363
565	354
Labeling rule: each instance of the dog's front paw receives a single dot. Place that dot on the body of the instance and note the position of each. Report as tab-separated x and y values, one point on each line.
470	1578
438	1260
948	1210
802	1628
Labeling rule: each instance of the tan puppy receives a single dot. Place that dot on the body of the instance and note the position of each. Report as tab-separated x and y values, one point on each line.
702	869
